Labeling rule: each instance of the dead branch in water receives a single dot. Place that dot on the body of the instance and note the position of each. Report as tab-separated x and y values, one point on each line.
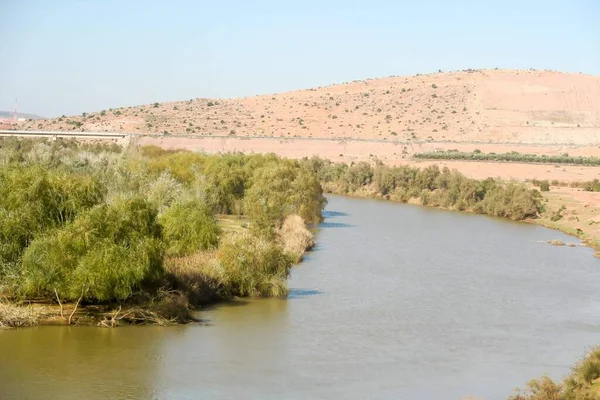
135	315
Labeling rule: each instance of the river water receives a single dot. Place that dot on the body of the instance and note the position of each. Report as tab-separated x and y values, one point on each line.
396	302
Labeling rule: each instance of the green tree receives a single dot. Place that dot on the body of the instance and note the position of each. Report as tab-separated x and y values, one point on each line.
106	253
189	227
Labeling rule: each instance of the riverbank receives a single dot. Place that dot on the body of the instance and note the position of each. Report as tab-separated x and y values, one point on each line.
195	288
574	212
569	210
143	235
408	290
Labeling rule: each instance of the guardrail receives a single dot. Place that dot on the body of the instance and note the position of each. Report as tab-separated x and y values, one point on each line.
93	135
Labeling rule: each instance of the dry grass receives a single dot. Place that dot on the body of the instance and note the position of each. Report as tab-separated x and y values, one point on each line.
582	384
295	238
541	389
197	276
167	308
14	316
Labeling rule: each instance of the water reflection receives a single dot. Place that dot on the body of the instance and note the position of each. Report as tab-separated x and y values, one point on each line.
79	362
301	293
332	214
327	224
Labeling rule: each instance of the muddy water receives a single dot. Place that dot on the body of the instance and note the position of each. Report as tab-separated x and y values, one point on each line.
397	302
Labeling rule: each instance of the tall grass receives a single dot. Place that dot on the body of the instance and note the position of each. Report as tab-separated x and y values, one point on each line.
253	266
295	238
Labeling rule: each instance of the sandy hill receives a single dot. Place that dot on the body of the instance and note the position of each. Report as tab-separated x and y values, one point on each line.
10	114
493	106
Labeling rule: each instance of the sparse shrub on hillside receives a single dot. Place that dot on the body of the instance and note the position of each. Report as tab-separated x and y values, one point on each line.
155	105
592	186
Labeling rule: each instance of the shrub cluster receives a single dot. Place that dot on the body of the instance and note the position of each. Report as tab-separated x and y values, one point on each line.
510	157
581	384
432	186
87	222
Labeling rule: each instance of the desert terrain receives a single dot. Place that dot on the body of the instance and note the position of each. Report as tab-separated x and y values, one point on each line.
474	106
527	111
389	120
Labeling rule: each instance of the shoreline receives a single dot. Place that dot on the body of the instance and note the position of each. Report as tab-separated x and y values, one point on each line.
168	308
112	315
588	240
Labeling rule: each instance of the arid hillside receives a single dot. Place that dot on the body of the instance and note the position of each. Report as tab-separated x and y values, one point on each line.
481	106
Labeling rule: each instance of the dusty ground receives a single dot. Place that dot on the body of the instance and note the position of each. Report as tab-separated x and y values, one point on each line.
495	106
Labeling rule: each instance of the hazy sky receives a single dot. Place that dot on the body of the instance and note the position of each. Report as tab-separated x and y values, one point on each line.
66	57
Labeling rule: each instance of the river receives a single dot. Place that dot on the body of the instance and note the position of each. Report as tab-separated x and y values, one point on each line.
395	302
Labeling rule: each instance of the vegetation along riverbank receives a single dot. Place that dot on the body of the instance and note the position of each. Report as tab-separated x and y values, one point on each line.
99	234
103	234
583	383
552	204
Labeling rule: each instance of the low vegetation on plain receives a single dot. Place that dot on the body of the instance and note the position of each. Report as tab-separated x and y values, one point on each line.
513	156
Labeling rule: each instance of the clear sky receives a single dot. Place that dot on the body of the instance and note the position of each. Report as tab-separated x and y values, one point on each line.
67	57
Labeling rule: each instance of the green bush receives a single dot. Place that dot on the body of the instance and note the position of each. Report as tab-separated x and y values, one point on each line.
254	266
81	220
106	253
432	186
277	191
33	200
189	227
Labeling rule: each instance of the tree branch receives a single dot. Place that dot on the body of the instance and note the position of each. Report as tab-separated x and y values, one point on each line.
59	303
77	304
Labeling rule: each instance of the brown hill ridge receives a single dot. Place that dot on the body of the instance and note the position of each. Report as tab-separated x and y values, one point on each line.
493	106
